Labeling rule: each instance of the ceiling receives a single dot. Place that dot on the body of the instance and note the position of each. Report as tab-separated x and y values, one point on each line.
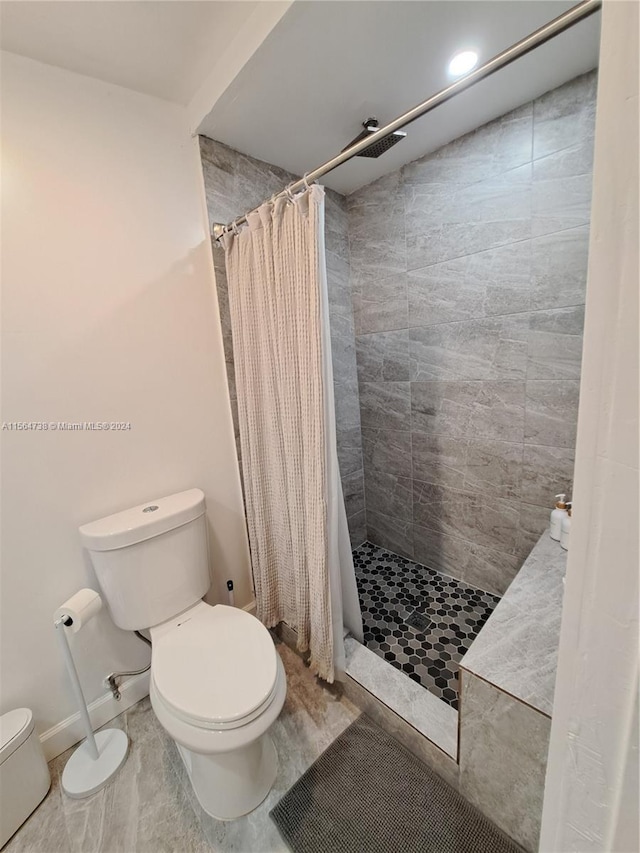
325	67
159	48
328	66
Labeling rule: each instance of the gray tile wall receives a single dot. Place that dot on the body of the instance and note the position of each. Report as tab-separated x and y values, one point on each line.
503	758
468	272
235	183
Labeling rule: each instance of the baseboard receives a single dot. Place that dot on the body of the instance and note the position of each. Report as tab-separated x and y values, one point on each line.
70	731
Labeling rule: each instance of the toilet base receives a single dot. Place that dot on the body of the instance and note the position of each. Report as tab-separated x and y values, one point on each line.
231	784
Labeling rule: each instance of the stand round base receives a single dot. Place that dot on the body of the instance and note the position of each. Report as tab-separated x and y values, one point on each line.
84	775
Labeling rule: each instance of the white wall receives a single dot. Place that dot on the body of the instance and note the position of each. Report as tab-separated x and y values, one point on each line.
108	314
591	796
229	63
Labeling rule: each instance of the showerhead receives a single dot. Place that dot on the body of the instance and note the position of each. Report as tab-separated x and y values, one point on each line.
379	147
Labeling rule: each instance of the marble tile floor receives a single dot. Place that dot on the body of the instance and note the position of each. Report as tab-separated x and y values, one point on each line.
150	807
418	620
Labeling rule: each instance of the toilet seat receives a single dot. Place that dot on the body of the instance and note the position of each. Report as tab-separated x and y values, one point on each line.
214	667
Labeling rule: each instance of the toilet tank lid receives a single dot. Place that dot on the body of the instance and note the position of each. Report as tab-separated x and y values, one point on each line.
143	521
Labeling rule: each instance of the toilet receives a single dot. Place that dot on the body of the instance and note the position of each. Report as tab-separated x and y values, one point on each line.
217	683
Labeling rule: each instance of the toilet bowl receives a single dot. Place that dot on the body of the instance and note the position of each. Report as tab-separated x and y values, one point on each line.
217	686
217	682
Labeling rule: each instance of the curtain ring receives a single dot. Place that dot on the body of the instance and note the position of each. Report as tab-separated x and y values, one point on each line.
234	228
289	194
305	181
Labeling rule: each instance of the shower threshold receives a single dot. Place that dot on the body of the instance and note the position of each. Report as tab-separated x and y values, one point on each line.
415	620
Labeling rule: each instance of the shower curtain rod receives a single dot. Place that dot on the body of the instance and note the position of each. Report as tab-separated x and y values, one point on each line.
520	48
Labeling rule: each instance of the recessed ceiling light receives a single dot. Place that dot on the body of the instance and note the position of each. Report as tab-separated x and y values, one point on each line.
463	62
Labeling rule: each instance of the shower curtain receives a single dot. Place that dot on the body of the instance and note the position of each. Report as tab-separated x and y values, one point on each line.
300	552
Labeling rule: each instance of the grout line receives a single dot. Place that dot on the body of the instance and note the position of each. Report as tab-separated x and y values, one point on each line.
485	317
453	536
506	692
399	716
531	239
418	381
406	291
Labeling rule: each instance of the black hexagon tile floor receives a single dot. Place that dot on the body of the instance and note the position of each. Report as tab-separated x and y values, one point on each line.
418	620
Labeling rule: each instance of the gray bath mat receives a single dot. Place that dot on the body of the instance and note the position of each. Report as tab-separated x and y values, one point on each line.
367	794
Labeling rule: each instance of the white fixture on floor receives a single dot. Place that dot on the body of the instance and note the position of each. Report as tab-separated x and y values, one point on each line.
97	760
217	682
24	775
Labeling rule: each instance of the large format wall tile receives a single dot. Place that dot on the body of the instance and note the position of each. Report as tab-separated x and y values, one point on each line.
224	310
383	355
357	526
389	494
385	405
562	188
555	343
546	472
467	409
559	268
353	492
490	150
377	241
379	303
482	466
474	564
347	409
390	533
487	272
570	162
357	529
493	348
534	520
447	221
503	758
257	181
487	283
349	454
336	231
559	202
343	350
338	286
387	450
488	521
552	412
564	115
377	227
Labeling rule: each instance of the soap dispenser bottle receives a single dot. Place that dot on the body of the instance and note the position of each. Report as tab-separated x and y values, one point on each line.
557	516
565	529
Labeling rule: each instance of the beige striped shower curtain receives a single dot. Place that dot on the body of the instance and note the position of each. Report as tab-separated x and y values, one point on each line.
295	513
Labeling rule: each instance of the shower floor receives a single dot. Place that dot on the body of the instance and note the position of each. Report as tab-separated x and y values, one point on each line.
418	620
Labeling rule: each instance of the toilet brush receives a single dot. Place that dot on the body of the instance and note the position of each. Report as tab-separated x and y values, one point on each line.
97	760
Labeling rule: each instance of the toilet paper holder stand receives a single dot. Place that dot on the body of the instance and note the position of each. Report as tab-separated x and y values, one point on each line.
99	757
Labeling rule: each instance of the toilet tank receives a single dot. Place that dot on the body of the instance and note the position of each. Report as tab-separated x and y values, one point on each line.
151	561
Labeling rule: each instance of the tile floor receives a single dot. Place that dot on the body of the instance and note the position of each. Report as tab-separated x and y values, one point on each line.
420	621
150	806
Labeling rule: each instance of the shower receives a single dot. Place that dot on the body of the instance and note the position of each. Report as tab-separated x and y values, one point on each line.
433	445
376	148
